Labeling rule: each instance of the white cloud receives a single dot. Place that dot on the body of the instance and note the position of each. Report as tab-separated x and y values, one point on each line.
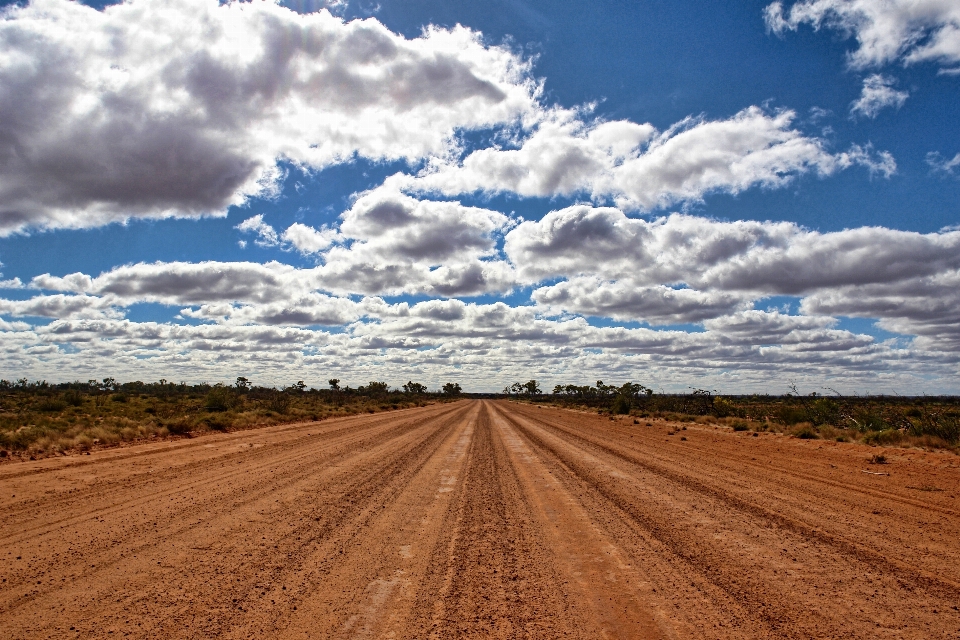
923	306
184	283
939	164
886	31
61	306
761	257
12	283
627	300
158	108
309	240
640	167
303	310
442	340
583	260
398	244
878	93
266	235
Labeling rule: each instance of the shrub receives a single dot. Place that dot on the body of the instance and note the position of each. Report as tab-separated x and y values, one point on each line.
118	397
621	405
806	432
218	423
739	425
724	408
218	399
51	405
790	415
943	425
73	398
866	421
278	401
885	437
178	427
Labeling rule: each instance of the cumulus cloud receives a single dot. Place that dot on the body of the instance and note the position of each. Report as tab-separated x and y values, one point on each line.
627	300
266	235
163	108
304	310
909	31
61	306
307	239
398	244
921	306
674	269
878	93
440	339
205	108
640	167
12	283
939	164
180	283
799	333
744	255
298	236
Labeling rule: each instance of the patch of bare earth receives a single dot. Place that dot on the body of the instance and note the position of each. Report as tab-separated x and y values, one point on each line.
482	519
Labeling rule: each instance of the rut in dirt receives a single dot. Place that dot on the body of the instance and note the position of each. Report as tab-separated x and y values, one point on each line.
481	519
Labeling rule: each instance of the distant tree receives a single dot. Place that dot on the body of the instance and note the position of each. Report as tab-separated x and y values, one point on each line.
242	383
414	387
375	388
219	398
334	384
452	389
298	387
531	388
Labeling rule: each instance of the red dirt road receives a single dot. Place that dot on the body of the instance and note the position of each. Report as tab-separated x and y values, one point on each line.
482	520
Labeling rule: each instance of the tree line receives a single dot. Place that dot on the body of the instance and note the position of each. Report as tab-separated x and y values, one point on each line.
935	416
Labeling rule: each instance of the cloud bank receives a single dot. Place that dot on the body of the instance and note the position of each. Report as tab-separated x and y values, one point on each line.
104	120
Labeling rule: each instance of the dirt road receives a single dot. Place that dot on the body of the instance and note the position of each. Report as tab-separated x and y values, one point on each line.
482	519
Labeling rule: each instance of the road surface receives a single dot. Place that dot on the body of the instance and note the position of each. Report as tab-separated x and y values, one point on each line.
481	519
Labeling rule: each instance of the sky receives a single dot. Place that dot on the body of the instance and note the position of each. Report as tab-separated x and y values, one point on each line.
739	197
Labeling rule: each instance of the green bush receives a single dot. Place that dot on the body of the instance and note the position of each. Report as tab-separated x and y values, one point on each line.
621	405
739	425
218	423
887	436
179	427
806	432
791	415
218	399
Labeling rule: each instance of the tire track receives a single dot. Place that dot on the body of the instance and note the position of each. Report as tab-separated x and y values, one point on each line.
304	525
849	590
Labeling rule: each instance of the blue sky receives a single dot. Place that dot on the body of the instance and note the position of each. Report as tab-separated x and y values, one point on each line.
739	195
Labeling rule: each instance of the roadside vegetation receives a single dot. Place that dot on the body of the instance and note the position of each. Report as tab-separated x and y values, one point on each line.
926	421
41	419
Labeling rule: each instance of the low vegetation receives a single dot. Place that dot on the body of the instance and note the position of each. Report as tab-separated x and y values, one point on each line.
41	419
926	421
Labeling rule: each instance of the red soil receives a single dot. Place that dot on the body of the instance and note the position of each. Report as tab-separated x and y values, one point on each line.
482	519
